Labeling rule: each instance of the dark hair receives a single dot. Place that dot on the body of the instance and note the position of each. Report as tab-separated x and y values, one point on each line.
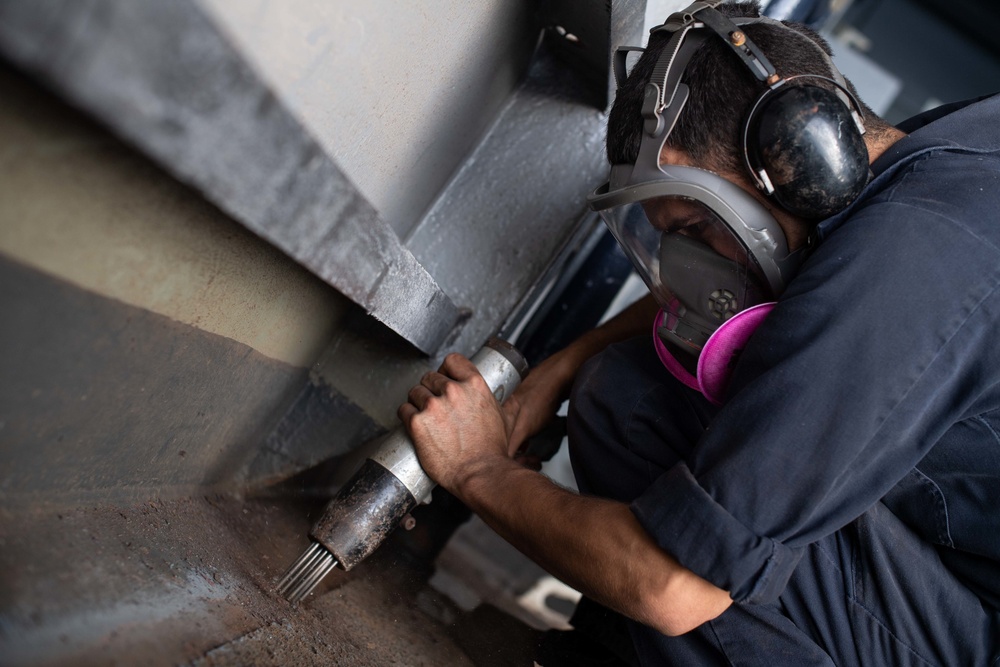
721	92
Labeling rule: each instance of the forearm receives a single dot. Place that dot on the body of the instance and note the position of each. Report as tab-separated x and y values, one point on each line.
634	320
548	385
594	545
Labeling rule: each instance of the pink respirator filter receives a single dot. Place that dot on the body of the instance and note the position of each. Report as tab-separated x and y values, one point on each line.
719	353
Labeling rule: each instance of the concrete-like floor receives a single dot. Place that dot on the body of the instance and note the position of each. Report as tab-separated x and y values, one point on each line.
191	581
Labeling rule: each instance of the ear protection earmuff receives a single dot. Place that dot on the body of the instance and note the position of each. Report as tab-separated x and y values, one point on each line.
802	141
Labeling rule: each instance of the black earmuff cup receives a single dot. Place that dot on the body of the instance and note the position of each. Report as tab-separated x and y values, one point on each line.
805	138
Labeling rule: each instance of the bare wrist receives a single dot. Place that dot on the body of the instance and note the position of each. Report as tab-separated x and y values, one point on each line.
477	476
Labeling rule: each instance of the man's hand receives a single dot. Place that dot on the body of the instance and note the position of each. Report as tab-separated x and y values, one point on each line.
456	424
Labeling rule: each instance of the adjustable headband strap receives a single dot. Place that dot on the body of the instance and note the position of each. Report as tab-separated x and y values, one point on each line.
742	46
685	17
665	96
841	87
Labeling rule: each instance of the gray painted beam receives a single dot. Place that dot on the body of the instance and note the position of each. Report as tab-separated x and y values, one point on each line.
163	76
520	197
503	220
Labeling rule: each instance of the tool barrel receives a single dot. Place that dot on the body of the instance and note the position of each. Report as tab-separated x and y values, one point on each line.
391	482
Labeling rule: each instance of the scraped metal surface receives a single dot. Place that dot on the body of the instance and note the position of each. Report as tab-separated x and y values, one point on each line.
504	217
191	582
515	199
162	75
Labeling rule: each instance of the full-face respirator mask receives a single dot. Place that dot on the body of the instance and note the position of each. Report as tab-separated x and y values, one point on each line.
711	254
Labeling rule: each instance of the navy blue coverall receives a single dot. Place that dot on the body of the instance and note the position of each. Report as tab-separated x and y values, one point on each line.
848	492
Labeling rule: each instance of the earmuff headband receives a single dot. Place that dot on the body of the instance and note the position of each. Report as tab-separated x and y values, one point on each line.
814	179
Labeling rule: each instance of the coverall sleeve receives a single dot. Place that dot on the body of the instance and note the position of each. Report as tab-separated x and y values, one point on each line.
884	340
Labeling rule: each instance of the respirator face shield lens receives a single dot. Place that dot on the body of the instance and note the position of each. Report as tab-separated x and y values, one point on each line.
696	267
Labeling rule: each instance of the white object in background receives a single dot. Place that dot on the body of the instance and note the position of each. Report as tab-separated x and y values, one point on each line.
534	599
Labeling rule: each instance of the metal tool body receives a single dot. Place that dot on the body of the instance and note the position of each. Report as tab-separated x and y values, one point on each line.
389	484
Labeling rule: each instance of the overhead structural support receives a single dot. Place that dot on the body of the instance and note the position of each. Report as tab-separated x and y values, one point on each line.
163	76
591	31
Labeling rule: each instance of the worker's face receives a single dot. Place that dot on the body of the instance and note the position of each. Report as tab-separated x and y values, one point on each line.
693	219
679	215
690	257
795	229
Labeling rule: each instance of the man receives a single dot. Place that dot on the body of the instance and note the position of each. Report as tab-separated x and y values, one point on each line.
835	499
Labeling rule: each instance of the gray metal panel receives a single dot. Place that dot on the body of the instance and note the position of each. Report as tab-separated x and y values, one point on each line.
504	217
399	91
591	32
491	234
502	221
162	75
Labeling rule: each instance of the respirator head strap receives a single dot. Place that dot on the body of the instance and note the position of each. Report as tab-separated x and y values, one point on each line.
811	174
620	63
685	17
665	95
